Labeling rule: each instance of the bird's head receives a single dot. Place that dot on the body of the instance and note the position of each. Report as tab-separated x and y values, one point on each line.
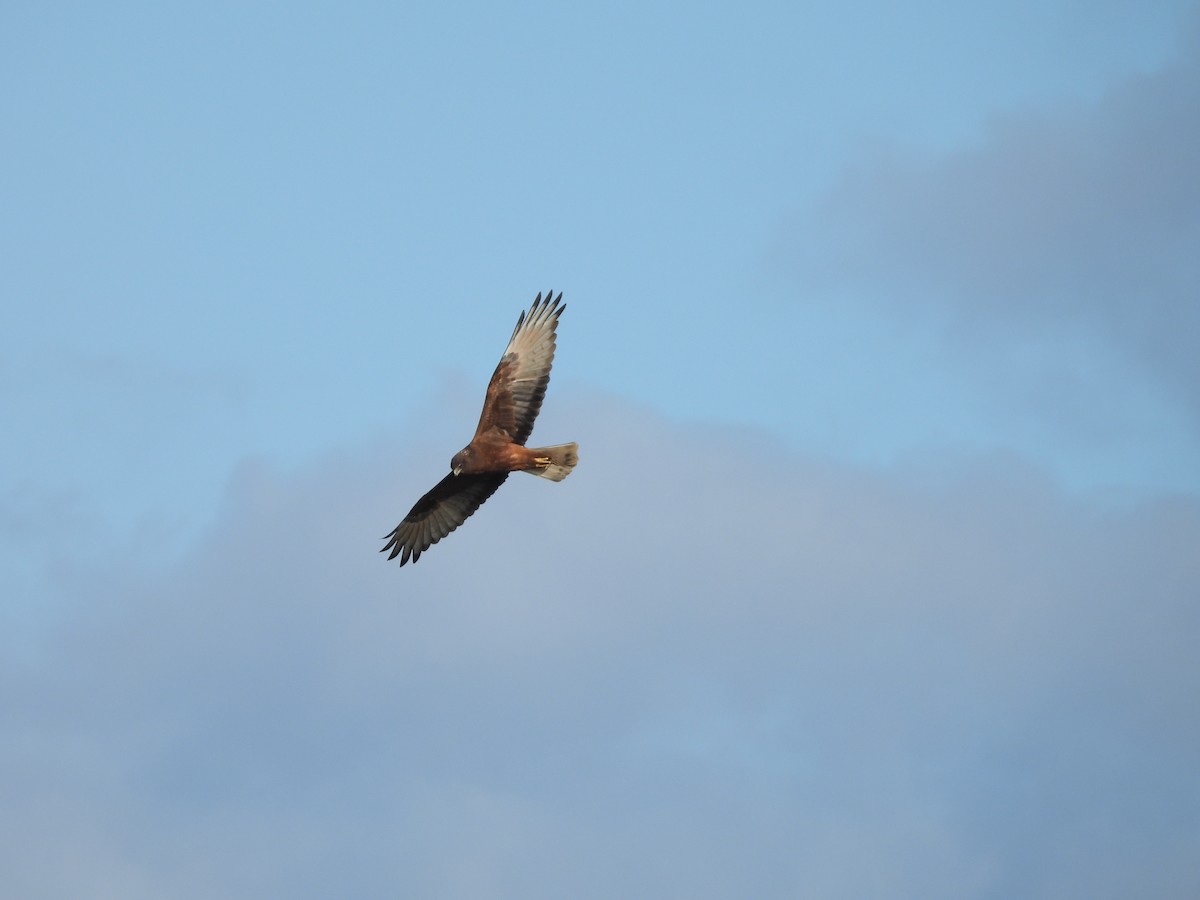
460	460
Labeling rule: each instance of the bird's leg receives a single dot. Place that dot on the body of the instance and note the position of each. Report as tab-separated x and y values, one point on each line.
541	461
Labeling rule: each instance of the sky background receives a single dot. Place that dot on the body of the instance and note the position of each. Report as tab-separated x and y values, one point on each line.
880	572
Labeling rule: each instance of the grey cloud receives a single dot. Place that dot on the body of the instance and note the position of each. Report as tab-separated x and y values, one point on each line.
1069	225
673	674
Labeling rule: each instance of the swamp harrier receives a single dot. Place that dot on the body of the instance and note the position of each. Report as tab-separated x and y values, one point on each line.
514	396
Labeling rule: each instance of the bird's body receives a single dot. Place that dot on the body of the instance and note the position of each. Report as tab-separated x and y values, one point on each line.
514	398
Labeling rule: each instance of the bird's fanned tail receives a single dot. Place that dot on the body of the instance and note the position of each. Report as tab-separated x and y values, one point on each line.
563	458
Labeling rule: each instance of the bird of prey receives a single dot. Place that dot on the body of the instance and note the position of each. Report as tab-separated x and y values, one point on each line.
514	397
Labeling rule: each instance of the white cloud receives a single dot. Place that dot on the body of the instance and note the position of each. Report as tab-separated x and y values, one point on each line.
672	673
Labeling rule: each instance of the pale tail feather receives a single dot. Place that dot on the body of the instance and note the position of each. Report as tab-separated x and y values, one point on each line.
562	460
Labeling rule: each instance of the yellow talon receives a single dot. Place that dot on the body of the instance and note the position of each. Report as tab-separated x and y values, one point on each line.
542	460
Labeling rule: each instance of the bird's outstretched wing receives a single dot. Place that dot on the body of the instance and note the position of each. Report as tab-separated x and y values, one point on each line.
439	512
518	386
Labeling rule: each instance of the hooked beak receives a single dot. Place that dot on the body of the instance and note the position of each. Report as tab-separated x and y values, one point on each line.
456	470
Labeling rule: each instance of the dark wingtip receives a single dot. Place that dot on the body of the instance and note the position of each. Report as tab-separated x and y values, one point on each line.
549	303
394	545
542	304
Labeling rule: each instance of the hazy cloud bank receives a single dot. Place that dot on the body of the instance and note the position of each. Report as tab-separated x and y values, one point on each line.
702	666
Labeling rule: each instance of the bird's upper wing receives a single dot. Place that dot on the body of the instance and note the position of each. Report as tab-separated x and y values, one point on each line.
439	512
515	393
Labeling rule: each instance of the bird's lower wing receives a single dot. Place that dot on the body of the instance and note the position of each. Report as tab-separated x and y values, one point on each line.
439	512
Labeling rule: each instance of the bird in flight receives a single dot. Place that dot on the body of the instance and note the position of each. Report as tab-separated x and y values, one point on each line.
514	397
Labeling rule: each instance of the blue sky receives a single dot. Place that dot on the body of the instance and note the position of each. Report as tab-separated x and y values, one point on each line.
880	355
